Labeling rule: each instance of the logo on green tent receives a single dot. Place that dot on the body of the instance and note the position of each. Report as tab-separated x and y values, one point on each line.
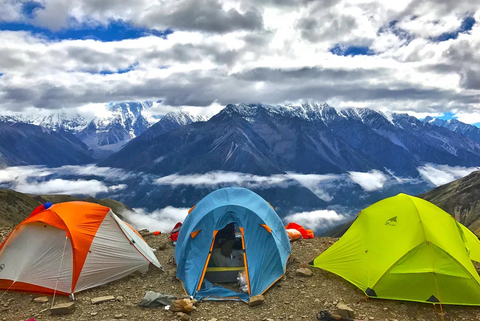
392	221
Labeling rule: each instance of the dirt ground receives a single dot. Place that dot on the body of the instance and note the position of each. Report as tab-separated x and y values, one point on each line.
292	298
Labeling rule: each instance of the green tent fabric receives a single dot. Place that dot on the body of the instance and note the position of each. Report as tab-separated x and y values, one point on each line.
406	248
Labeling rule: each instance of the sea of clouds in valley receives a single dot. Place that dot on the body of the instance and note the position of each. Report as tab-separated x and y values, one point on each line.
345	194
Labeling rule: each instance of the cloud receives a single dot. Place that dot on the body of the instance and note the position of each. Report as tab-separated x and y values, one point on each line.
443	174
70	187
370	181
44	180
313	182
224	51
316	220
162	220
220	177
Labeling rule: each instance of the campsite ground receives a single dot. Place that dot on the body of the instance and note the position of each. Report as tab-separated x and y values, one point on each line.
293	298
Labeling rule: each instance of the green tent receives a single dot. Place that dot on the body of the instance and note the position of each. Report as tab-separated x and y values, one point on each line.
405	248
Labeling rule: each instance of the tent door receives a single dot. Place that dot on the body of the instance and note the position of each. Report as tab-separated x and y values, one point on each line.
245	260
208	260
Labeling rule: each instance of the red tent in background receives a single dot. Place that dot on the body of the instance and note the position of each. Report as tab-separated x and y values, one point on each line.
174	232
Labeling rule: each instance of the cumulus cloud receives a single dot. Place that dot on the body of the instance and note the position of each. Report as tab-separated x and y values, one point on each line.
224	51
369	181
162	220
443	174
316	220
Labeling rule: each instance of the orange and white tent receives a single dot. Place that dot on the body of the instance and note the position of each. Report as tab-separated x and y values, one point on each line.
70	247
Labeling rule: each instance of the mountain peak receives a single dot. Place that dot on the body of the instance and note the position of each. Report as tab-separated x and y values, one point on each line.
182	117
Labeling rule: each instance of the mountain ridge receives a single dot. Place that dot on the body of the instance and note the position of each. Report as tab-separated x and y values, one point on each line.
309	138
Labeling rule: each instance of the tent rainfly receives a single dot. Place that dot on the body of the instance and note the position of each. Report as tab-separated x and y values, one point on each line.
263	244
406	248
70	247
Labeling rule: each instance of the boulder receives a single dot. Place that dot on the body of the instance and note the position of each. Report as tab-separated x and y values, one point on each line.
182	305
63	308
345	311
256	300
306	272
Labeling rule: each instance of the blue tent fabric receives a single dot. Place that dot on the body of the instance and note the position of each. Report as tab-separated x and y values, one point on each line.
267	253
211	292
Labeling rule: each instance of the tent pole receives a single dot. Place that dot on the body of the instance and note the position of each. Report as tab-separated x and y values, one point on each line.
439	299
59	270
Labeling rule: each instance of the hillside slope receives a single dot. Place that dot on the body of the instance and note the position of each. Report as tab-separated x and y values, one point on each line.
15	206
460	198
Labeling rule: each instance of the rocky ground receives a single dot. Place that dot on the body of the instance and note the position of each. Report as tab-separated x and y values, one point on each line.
293	298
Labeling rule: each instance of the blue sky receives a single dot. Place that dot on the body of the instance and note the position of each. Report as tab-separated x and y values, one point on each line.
116	30
416	57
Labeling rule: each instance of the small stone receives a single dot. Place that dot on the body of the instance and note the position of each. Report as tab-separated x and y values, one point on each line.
120	298
182	305
371	318
316	300
345	311
213	319
306	272
256	300
118	316
93	314
41	299
183	316
102	299
385	309
162	246
63	308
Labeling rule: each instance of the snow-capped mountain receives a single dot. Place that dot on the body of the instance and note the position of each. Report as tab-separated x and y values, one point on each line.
467	130
125	121
104	135
169	122
57	121
309	138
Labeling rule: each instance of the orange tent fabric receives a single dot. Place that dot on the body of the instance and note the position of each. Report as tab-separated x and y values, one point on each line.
306	234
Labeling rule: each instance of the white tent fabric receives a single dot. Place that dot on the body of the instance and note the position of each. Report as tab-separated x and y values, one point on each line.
34	254
112	256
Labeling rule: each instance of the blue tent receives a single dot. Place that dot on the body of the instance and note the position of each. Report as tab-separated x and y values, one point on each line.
264	240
